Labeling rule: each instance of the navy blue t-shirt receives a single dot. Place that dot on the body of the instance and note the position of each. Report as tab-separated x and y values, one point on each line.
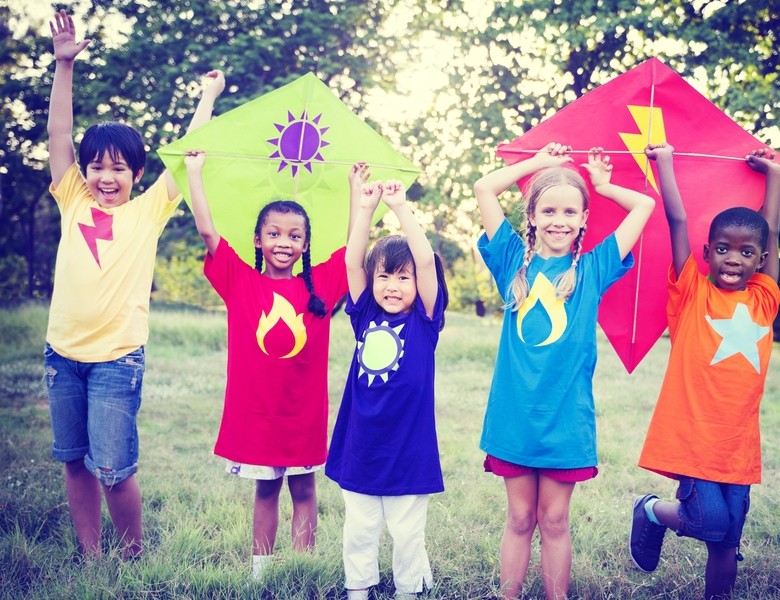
384	441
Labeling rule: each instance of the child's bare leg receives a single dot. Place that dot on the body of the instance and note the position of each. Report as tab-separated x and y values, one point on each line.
721	571
124	505
521	495
303	492
553	515
266	515
667	513
84	501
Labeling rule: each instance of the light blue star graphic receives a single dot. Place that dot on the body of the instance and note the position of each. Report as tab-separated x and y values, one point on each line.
740	336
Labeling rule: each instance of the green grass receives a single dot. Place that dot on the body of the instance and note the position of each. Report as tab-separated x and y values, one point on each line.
197	519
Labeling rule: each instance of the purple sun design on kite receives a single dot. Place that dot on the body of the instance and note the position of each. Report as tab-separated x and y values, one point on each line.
299	143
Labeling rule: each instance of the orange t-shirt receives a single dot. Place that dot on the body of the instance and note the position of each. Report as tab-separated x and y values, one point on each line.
705	423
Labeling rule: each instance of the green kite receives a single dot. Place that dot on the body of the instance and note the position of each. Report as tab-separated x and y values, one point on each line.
297	142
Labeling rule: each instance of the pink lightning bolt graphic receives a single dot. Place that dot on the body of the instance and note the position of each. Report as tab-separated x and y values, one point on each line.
101	230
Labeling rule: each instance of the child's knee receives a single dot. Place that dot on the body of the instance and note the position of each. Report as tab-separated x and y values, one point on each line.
302	488
521	523
108	476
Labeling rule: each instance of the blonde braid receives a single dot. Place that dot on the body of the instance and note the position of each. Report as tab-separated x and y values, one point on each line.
519	288
565	282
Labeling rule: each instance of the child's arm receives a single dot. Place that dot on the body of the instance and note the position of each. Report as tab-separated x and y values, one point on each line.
366	197
638	205
394	196
761	161
358	175
488	188
194	161
60	124
663	155
201	116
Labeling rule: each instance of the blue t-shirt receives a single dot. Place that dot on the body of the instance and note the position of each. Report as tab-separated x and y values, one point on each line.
540	411
384	441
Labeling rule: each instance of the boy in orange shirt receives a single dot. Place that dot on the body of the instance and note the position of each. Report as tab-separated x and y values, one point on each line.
705	431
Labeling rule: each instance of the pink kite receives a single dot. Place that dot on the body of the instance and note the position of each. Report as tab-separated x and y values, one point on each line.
650	104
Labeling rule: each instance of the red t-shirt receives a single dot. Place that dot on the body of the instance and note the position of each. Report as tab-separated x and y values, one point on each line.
705	423
276	397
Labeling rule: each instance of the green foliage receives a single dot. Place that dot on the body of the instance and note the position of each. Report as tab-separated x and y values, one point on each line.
510	65
143	67
179	277
472	289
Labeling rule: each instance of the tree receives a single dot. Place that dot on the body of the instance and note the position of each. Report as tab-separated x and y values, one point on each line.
142	68
517	63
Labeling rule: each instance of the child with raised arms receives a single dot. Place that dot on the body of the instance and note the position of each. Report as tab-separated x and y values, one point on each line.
539	431
705	428
99	315
384	452
275	416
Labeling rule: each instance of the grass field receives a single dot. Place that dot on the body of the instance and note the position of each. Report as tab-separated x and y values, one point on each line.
197	519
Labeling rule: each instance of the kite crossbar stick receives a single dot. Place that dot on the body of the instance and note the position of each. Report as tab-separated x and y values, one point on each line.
298	162
693	154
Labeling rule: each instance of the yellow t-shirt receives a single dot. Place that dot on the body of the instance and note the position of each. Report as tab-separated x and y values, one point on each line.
105	263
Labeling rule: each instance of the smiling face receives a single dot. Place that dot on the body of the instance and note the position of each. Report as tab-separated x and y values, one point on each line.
110	180
558	215
282	240
395	292
734	254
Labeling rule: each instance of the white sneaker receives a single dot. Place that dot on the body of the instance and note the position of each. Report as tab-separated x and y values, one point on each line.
357	594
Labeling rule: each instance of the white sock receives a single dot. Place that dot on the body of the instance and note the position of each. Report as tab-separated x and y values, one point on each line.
357	594
259	564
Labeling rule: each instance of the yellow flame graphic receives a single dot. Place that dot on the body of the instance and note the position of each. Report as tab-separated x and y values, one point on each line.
650	122
542	291
283	311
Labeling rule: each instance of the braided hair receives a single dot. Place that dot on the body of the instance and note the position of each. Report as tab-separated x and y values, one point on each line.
565	282
316	304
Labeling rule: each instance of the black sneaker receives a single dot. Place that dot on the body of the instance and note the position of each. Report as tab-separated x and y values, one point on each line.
646	537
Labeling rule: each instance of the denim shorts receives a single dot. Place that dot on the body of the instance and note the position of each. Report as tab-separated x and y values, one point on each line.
93	409
711	511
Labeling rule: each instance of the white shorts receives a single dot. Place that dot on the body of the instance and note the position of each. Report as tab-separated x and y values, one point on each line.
266	473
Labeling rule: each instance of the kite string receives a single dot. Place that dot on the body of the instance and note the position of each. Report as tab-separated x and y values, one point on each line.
676	153
293	161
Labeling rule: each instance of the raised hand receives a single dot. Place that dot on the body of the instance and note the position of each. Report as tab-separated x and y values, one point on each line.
371	194
214	85
598	167
761	160
394	194
553	155
194	159
358	176
656	151
63	35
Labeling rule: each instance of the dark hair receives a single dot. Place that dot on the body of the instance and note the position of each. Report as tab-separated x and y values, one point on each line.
316	304
393	254
740	216
114	138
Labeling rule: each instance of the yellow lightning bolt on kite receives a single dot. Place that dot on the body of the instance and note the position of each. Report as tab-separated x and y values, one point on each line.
650	121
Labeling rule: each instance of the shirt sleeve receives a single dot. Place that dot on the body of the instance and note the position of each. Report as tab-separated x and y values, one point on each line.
608	264
330	278
221	268
503	255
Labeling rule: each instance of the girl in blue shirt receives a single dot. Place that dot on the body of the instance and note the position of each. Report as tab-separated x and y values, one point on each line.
539	431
